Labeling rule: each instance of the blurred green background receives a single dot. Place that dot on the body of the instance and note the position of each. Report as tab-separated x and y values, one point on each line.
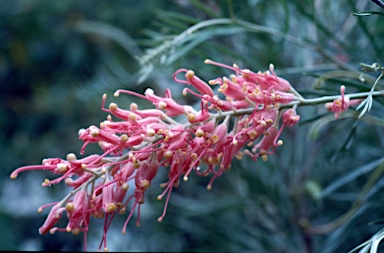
59	57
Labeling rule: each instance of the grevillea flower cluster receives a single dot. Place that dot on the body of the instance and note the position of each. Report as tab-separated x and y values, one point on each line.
237	115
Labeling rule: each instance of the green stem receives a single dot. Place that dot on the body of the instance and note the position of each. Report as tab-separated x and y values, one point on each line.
302	102
314	101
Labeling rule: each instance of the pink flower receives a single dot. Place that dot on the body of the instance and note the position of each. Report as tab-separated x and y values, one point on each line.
341	104
78	213
266	81
267	145
53	217
135	143
290	117
193	80
229	88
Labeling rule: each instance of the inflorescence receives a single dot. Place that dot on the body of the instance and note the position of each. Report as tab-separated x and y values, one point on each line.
244	118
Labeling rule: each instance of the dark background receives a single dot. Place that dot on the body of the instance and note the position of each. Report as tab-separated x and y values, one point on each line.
57	58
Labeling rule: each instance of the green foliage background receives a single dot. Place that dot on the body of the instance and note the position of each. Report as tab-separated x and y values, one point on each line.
59	57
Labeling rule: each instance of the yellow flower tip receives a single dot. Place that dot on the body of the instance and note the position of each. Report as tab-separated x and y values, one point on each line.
190	74
209	187
252	134
124	138
214	138
239	156
62	167
159	197
13	176
133	107
168	154
199	133
145	184
81	131
104	96
151	132
185	178
112	106
68	181
280	142
234	142
111	207
70	207
207	61
149	91
52	231
76	231
264	157
132	117
116	94
123	232
162	105
40	210
94	132
136	164
68	229
105	249
71	157
191	117
160	219
122	211
46	182
125	186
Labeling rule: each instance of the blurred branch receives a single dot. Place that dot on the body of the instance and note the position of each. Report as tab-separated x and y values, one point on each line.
111	32
365	29
153	55
378	3
326	228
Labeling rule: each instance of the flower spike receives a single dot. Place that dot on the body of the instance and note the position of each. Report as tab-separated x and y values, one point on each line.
241	117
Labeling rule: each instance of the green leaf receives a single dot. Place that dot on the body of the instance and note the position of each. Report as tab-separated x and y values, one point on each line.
314	131
345	179
368	13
